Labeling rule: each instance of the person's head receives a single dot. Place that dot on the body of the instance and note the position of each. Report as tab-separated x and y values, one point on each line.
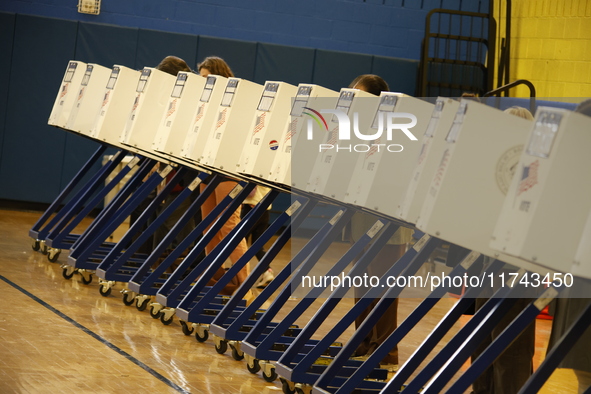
172	65
519	111
370	83
584	107
214	65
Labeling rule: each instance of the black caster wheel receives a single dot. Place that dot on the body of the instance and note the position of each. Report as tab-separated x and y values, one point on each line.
235	354
105	291
155	313
202	338
66	275
141	305
222	347
166	321
187	330
43	249
128	299
52	257
256	367
85	281
299	391
36	245
271	377
286	387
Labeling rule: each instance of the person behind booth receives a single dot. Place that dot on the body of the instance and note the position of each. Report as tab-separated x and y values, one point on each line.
566	310
390	253
257	194
171	65
217	66
509	372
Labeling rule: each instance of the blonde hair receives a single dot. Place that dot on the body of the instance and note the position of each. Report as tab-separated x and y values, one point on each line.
520	111
216	65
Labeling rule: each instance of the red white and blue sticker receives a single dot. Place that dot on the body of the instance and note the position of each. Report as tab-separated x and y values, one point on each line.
273	145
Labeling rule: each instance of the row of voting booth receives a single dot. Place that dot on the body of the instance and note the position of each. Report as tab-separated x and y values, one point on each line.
456	171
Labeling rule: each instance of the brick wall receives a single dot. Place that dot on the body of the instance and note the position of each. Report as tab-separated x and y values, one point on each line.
551	47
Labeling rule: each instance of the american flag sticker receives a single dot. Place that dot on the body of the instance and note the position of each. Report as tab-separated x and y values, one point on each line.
529	177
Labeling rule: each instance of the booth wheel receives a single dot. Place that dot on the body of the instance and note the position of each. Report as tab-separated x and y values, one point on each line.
87	281
271	377
53	255
67	275
128	299
256	366
36	245
236	355
142	304
104	290
166	321
222	347
201	338
286	387
155	313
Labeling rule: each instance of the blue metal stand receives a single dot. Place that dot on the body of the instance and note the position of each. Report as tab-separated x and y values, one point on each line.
558	353
397	382
307	257
330	381
39	230
494	350
190	309
114	266
180	281
87	250
233	329
407	265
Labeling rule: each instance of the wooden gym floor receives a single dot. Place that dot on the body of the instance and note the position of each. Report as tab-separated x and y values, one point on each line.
58	335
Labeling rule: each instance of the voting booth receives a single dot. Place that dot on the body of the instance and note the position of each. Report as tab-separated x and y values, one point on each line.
383	172
547	206
203	117
89	99
116	103
229	132
466	194
432	147
178	113
262	141
66	96
308	102
335	157
152	93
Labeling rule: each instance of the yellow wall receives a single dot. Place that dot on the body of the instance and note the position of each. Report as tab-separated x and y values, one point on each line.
551	47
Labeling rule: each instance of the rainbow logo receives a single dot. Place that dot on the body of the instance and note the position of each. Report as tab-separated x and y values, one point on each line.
317	117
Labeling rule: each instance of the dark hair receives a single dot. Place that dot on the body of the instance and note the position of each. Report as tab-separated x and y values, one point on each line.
370	83
216	65
172	65
584	107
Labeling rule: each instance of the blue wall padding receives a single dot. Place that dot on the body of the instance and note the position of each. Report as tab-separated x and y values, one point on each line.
401	74
32	152
153	46
240	55
335	70
106	45
282	63
6	39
